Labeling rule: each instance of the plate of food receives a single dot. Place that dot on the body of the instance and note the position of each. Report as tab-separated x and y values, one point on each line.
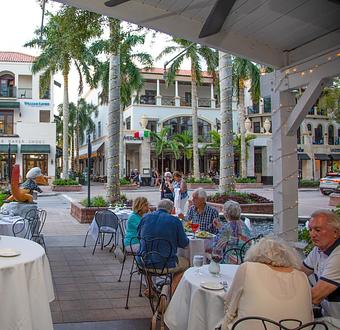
204	234
212	285
187	226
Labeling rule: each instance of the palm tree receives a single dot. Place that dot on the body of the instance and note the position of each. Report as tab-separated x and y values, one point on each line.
195	53
130	77
244	70
161	144
227	170
184	141
63	43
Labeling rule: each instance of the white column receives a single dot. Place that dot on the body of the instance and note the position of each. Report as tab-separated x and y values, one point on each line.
285	168
158	96
177	98
212	97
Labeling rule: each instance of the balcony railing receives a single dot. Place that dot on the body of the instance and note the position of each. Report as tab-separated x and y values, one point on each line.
204	103
9	91
168	100
147	99
24	93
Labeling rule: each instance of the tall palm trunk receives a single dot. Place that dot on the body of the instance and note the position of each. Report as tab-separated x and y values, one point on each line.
242	132
194	123
72	138
184	165
113	191
77	168
65	124
162	164
227	171
121	145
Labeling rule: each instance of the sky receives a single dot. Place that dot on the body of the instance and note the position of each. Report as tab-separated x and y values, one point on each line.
20	18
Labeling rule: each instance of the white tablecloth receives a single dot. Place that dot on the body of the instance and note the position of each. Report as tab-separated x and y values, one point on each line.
121	214
195	308
196	246
25	287
6	223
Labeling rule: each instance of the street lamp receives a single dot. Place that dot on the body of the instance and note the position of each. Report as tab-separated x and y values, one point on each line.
89	152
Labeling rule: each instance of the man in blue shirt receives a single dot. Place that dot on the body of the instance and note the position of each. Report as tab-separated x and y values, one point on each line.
161	224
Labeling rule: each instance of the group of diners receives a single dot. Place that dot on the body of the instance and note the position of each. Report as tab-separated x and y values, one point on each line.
273	282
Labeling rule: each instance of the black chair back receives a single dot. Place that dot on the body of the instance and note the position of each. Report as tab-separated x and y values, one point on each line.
232	256
250	322
248	244
27	227
106	218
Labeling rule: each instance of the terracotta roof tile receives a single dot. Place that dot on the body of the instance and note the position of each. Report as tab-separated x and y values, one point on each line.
16	57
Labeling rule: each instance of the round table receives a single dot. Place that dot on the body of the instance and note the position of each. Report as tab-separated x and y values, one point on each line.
6	224
195	308
25	286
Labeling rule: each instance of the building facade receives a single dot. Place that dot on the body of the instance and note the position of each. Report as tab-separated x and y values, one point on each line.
318	143
26	117
154	107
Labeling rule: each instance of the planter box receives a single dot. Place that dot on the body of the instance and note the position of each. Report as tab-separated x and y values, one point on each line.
67	188
248	185
201	185
129	187
334	199
265	208
84	214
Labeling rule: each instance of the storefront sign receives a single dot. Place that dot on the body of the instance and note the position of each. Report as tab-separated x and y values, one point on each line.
335	150
37	103
23	141
132	138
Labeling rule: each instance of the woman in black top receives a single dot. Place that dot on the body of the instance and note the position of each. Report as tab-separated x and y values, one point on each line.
166	187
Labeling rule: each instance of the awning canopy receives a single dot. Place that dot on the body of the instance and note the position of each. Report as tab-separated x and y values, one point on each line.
97	151
35	149
9	105
321	156
335	156
4	148
303	156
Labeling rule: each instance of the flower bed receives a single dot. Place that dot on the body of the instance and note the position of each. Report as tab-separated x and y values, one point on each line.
84	214
66	185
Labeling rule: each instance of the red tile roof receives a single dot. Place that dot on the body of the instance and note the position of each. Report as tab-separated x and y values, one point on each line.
205	74
16	57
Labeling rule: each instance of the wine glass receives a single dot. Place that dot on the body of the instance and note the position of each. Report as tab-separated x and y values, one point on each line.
197	262
216	257
194	228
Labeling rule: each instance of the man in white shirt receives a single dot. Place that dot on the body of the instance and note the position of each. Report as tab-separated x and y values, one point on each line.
324	261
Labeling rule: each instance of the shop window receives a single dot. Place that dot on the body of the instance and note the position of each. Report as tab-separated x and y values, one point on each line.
318	135
331	134
33	160
7	88
256	127
6	122
44	116
267	105
152	125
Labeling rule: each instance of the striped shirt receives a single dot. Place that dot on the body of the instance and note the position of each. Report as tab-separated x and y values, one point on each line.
205	219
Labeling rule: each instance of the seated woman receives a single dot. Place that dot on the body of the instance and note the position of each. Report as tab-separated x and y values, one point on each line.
234	233
269	284
140	206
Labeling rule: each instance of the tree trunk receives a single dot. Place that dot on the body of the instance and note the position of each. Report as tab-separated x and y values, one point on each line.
121	145
113	191
184	166
227	171
77	145
162	164
72	137
195	156
243	133
65	125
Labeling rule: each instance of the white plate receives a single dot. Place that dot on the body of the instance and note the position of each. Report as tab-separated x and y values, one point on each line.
8	252
211	285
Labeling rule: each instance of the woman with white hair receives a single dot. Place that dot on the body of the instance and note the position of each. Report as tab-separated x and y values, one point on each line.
270	285
234	233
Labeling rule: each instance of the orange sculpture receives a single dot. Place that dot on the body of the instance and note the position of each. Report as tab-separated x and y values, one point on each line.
24	193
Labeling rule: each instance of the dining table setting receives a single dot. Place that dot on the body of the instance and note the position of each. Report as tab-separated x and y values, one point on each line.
25	285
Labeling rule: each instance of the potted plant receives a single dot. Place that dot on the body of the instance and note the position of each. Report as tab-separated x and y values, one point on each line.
66	185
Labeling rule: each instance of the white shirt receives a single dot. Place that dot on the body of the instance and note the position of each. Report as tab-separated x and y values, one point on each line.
258	290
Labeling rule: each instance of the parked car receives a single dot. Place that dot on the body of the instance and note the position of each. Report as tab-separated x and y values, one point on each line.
330	183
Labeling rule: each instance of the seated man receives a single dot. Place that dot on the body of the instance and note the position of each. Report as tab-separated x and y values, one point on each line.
161	224
202	213
324	261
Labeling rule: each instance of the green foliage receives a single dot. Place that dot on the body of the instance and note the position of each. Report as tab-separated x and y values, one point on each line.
97	201
3	196
65	182
124	181
330	100
337	210
245	180
202	180
303	235
308	184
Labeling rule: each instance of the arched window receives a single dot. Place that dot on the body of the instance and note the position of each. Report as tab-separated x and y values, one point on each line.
7	85
178	125
331	134
309	128
319	135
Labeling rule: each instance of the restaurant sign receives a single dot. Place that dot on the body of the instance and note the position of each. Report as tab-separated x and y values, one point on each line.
22	141
36	104
133	138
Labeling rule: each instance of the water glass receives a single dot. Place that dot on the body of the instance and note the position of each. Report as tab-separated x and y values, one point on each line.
197	262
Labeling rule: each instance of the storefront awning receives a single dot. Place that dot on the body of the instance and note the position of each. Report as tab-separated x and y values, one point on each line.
335	156
4	148
97	151
9	105
321	156
303	156
35	149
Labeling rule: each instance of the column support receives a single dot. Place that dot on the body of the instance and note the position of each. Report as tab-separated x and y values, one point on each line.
177	98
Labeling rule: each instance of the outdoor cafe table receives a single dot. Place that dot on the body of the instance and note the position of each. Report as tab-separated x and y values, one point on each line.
25	285
6	223
195	308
